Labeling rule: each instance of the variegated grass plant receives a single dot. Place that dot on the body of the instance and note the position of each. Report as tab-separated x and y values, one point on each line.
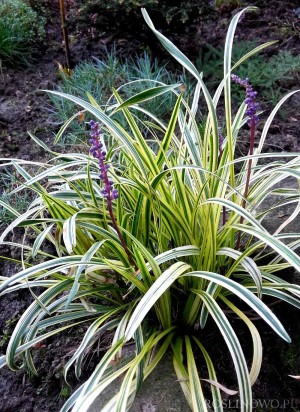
178	240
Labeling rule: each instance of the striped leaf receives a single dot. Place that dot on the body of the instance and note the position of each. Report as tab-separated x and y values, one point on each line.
253	301
146	95
198	400
159	287
234	348
247	263
256	340
284	251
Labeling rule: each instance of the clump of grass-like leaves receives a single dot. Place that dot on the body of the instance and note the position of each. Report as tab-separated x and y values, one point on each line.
278	66
169	236
129	76
20	27
11	204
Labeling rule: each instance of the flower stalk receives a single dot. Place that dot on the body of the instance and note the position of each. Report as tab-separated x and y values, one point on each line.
251	111
108	191
221	141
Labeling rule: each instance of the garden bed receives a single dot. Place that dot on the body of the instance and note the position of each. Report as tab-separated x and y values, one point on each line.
23	108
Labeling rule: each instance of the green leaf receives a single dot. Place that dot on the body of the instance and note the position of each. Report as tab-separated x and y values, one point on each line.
164	145
40	239
117	131
181	372
215	388
198	400
247	263
90	336
185	62
256	340
159	287
146	95
85	397
284	251
238	209
8	207
234	348
27	318
243	293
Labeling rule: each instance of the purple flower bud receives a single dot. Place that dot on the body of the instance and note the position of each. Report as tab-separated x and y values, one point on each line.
115	194
252	106
107	191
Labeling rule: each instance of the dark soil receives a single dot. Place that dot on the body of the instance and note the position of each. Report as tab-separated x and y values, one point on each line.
23	108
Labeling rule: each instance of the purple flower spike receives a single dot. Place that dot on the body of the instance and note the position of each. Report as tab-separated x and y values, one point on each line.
115	194
252	106
251	109
108	192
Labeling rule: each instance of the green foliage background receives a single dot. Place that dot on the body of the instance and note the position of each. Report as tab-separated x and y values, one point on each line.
20	27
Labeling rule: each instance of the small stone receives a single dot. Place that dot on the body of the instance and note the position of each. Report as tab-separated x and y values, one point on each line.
8	112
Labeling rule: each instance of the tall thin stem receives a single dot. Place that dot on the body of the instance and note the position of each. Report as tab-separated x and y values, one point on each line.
251	109
65	33
116	227
252	139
